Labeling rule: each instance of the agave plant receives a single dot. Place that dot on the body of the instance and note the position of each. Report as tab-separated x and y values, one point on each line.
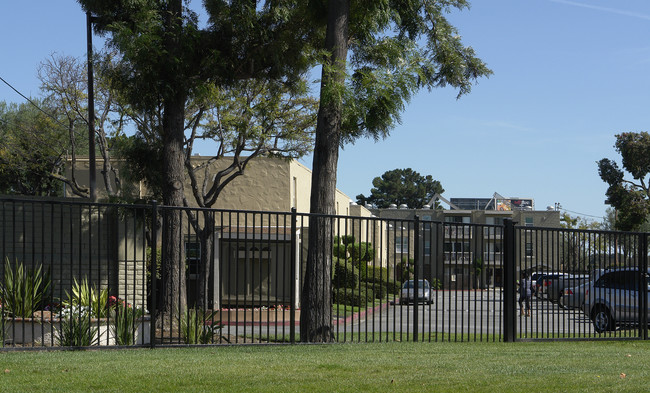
83	294
125	322
23	290
198	326
76	328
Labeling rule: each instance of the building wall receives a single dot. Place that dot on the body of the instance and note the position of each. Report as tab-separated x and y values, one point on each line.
73	242
264	186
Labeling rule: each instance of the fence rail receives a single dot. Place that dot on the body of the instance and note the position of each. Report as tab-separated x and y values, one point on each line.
82	274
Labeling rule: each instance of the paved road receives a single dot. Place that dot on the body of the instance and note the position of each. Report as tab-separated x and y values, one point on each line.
453	314
472	312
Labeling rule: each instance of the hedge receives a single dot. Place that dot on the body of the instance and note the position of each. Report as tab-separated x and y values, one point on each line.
345	276
353	297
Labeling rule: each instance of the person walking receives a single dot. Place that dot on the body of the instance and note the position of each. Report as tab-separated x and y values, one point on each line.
525	293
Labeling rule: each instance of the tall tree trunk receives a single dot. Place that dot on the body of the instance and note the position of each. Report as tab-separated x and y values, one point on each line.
175	294
315	315
206	237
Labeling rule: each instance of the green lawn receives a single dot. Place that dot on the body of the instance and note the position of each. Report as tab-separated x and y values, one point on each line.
393	367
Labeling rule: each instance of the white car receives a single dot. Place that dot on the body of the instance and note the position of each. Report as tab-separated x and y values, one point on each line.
408	294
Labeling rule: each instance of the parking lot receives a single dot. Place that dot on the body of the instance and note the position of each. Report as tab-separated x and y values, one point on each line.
467	313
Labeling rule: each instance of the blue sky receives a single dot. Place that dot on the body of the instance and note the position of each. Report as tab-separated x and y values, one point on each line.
568	76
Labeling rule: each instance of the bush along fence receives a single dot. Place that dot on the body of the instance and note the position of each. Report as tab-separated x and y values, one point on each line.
77	274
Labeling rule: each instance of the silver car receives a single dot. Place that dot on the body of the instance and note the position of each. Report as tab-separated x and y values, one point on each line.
613	299
574	297
408	293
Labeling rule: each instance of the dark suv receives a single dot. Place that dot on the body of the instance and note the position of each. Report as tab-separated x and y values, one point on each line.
613	300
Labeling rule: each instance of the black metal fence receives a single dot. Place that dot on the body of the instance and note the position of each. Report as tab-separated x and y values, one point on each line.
82	274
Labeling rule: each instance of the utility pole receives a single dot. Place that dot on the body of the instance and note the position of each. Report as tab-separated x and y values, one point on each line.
91	109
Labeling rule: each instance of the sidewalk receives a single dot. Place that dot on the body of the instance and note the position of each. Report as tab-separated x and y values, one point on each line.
263	317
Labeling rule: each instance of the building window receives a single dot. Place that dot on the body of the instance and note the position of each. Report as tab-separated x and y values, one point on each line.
458	219
193	258
427	247
457	247
528	221
494	248
529	249
401	245
494	220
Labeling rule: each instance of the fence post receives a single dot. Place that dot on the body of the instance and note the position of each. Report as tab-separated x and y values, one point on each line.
643	286
416	277
292	310
154	271
509	287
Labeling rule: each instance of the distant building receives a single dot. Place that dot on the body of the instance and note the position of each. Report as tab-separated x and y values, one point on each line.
455	241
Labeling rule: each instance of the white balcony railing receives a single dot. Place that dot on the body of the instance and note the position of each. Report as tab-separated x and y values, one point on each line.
458	232
493	258
463	258
493	232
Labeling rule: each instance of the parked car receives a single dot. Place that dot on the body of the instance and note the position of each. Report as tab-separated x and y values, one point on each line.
543	280
613	299
554	287
574	297
408	293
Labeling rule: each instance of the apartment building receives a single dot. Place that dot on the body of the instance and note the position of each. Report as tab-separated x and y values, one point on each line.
462	246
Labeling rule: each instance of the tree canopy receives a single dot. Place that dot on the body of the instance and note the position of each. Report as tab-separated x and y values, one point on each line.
401	186
629	196
32	147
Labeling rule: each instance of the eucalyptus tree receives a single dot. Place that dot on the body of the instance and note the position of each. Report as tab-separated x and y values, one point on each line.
375	55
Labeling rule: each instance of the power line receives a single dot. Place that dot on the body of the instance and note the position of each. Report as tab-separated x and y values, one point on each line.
583	214
33	103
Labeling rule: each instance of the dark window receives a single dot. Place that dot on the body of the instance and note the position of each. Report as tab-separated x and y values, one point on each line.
625	280
529	249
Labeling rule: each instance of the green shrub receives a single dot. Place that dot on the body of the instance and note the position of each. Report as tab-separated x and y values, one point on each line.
353	297
376	274
393	287
362	267
381	291
149	258
339	251
404	269
23	290
436	284
361	252
345	276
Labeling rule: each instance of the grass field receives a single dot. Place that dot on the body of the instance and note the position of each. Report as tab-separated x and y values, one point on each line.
385	367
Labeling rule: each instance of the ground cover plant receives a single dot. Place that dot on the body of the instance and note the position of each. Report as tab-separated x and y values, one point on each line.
585	366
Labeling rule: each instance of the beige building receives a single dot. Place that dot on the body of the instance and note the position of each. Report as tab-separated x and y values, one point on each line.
268	184
251	254
455	241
